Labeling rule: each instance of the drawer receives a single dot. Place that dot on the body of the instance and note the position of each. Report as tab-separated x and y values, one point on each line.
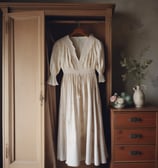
135	119
133	165
135	136
134	153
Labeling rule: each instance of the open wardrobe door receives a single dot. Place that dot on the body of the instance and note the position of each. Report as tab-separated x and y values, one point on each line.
23	90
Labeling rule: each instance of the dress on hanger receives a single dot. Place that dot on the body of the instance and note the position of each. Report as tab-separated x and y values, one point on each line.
80	131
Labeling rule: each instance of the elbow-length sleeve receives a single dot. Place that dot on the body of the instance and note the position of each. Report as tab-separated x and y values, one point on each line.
54	65
100	66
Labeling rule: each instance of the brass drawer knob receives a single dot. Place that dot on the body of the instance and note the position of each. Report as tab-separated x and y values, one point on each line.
135	153
136	136
135	119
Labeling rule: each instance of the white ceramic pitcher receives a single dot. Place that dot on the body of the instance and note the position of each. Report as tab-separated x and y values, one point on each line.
138	96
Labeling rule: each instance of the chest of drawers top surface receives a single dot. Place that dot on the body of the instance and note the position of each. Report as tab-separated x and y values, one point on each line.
145	109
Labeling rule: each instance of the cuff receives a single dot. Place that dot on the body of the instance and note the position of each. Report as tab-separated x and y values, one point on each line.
52	80
101	78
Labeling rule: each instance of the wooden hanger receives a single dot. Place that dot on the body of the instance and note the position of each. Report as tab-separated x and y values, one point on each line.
78	31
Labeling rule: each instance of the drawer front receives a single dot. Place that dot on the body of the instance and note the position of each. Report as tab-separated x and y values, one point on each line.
134	153
134	165
135	119
135	136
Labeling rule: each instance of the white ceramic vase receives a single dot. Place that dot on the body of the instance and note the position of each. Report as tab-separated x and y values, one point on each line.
138	97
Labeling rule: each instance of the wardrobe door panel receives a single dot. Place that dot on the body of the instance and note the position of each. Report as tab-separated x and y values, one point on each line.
25	146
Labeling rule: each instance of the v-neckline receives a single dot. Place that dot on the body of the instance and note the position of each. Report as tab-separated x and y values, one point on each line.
77	56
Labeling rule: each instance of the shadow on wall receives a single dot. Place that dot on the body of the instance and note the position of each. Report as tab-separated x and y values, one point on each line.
129	37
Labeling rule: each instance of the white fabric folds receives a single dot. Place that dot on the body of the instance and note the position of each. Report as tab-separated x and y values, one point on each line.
80	130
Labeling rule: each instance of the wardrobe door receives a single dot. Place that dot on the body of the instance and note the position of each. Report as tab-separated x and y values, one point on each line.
23	90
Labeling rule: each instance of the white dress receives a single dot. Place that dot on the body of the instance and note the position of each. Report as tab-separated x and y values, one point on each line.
80	131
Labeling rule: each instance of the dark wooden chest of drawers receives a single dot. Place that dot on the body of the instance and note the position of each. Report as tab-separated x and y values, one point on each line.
134	138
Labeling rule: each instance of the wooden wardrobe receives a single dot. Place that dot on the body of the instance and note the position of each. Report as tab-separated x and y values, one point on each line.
23	54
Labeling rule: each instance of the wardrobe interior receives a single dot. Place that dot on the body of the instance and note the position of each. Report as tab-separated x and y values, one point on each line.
57	27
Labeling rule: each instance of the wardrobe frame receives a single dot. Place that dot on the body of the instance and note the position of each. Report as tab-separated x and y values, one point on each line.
48	9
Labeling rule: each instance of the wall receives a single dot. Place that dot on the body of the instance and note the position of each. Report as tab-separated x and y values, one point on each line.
135	26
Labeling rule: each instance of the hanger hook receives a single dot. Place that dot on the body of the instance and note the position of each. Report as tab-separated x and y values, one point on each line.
78	23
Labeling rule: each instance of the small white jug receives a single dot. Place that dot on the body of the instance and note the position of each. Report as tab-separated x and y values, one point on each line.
138	96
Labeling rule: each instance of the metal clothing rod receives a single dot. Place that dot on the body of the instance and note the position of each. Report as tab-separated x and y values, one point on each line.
77	22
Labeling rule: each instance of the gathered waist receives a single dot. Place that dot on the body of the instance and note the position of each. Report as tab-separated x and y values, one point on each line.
79	72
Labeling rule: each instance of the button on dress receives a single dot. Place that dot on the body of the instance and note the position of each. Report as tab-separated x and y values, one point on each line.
80	129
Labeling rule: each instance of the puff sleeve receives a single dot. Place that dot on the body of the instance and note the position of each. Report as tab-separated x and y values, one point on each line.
54	65
100	65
